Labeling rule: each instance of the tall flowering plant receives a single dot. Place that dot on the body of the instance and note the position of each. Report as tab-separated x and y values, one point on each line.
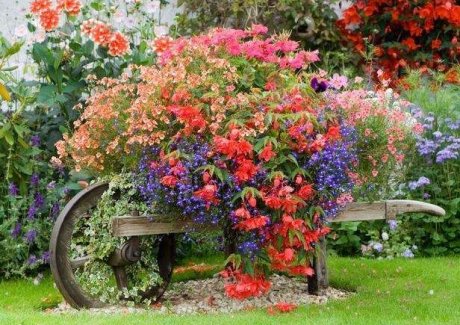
230	128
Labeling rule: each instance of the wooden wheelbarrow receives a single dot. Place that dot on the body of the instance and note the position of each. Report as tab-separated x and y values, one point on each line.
64	264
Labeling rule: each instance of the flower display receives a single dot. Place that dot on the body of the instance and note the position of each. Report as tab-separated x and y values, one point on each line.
411	34
231	127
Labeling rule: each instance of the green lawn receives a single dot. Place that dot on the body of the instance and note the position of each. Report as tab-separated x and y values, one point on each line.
387	292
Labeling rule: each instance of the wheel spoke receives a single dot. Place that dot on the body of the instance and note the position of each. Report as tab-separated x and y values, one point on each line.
79	262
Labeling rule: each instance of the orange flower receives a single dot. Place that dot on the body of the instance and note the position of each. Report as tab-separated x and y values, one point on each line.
72	7
161	44
101	33
118	45
49	19
37	6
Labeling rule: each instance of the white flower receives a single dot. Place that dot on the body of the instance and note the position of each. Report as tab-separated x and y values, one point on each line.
21	31
160	30
152	7
385	236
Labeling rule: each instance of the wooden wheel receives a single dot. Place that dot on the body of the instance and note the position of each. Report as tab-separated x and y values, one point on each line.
64	263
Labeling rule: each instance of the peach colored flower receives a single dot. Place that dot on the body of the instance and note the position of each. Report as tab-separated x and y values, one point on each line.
118	45
49	19
37	6
72	7
100	33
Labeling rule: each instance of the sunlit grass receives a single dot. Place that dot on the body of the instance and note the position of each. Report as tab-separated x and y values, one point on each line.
387	292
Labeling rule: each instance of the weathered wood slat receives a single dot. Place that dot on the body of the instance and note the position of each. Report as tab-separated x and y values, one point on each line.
362	211
356	211
141	226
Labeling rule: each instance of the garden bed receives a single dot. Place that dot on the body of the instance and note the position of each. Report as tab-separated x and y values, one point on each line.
208	296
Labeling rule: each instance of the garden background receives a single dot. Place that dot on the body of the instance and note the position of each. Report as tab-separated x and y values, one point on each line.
358	46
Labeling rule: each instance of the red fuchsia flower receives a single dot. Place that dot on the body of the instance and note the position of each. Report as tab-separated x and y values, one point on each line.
301	270
37	6
169	180
247	286
252	223
246	170
72	7
118	44
208	194
267	153
306	192
49	19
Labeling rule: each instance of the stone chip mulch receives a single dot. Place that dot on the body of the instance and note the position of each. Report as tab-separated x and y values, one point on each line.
208	296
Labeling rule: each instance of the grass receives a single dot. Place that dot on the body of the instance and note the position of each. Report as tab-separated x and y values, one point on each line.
420	291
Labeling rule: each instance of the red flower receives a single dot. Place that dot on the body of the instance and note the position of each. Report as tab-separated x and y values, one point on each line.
247	286
301	270
246	170
252	223
267	153
410	43
37	6
169	181
333	133
285	307
436	44
208	194
49	19
306	192
118	44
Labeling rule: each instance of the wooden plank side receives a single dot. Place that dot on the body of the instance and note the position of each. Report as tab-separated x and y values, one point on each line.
361	211
142	226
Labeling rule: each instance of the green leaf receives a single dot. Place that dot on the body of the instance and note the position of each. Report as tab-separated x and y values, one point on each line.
9	137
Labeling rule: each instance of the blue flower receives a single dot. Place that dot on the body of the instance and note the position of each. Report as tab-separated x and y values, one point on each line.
13	189
408	253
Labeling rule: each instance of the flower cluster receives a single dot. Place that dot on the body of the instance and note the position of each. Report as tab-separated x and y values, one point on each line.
103	35
100	33
409	34
230	128
49	14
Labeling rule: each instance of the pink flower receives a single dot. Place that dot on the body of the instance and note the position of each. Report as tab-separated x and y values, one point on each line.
258	29
338	81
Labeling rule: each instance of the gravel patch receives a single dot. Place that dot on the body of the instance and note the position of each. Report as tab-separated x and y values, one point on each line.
208	296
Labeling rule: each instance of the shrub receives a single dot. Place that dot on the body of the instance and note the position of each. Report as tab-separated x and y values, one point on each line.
404	34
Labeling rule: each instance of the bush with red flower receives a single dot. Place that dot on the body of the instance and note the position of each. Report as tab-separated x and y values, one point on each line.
232	128
405	33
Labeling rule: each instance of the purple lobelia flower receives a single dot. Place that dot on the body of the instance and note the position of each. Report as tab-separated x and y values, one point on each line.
31	235
32	260
318	86
35	140
34	180
16	231
13	189
46	257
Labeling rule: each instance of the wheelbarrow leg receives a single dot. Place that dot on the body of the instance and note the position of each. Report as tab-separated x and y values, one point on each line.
230	239
320	280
